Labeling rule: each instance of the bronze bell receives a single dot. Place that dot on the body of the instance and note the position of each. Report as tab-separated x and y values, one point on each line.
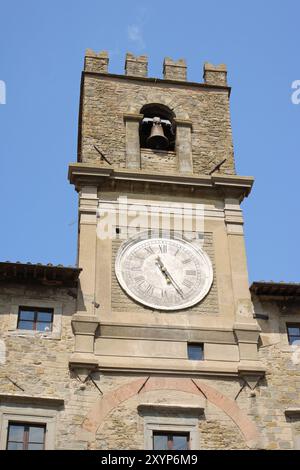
157	138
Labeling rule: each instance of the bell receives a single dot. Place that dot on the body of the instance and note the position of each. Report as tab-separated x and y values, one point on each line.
157	138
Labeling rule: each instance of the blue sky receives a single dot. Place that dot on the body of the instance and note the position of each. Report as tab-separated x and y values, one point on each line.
42	45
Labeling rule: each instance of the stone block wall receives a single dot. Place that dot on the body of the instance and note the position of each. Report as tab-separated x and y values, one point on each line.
107	98
37	366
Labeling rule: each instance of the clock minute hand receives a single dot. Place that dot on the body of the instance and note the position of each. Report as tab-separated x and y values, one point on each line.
168	276
174	284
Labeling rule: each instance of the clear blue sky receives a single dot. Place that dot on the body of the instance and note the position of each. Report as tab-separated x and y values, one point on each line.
42	45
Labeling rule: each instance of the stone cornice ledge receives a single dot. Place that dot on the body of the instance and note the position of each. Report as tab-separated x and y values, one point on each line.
81	174
142	365
43	401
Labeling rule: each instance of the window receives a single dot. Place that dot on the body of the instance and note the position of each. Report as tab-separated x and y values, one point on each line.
195	351
293	331
170	441
37	319
22	436
157	128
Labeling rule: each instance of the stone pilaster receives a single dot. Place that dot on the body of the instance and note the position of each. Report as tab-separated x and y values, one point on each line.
133	153
87	247
184	145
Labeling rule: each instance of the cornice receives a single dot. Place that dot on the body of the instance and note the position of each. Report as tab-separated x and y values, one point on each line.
158	81
84	174
28	399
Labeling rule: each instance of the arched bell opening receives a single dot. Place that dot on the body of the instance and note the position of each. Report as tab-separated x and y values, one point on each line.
157	128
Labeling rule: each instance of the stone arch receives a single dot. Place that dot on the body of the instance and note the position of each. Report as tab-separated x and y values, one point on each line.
111	400
155	96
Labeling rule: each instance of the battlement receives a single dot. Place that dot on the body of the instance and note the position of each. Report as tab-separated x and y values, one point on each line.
137	66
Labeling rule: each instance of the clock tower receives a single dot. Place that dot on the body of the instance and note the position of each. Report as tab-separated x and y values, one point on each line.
164	322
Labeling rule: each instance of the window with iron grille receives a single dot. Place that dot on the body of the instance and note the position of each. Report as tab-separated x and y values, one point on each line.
35	318
23	436
170	440
293	330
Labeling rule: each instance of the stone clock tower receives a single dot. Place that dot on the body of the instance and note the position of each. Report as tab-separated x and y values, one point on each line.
164	324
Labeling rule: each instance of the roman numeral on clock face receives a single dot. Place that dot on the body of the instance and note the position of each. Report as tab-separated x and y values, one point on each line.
163	248
149	290
187	283
135	268
190	272
149	250
186	261
163	294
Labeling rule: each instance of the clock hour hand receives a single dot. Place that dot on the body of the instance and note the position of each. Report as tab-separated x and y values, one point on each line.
162	269
168	276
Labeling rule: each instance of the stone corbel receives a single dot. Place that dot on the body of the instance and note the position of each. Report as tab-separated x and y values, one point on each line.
249	368
84	328
82	361
247	336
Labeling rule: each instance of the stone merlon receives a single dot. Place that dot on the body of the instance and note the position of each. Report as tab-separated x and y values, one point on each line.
136	65
174	70
215	74
96	61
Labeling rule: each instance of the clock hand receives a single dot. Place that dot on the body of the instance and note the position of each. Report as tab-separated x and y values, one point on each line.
168	276
162	269
174	284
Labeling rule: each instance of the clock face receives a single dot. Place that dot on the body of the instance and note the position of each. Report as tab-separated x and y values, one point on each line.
163	273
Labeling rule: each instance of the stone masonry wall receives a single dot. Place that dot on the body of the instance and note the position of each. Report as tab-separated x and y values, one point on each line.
40	367
106	100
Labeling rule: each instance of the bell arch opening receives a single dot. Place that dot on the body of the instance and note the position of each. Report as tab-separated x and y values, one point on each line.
157	128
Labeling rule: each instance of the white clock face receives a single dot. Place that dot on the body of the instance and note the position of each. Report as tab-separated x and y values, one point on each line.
163	273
